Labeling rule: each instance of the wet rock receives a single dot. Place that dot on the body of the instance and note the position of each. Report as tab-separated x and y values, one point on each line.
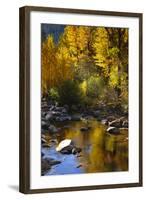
67	147
44	125
52	107
56	113
78	166
111	118
52	162
43	140
42	154
67	150
53	129
113	130
49	116
63	118
46	164
46	145
116	123
79	155
54	141
125	124
96	113
60	109
64	144
104	122
76	150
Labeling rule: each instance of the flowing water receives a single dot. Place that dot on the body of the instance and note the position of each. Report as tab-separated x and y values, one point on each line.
101	152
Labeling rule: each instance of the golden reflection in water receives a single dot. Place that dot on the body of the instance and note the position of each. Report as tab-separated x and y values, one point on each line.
100	152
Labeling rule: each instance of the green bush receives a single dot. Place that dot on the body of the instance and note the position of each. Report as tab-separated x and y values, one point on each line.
70	93
95	87
53	94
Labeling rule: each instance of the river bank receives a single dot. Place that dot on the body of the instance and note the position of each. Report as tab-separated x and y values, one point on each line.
99	131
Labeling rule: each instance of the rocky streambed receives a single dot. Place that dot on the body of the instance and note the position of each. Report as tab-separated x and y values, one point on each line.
82	142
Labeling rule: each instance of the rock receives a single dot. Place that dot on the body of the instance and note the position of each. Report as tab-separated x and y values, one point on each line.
53	129
43	140
76	150
60	109
44	125
84	129
46	164
79	155
42	154
46	145
67	147
49	116
63	118
111	118
56	113
80	165
66	107
116	123
54	141
52	162
113	130
67	150
63	144
125	124
52	107
96	113
76	117
104	122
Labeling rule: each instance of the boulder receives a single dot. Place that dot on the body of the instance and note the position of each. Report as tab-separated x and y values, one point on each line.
116	123
63	144
113	130
67	150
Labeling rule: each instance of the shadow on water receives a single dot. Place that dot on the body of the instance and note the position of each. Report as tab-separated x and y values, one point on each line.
100	152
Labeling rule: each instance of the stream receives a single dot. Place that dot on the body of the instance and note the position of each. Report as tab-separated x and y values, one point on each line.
101	152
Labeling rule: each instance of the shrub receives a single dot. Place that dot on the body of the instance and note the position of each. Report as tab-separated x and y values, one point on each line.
70	93
53	94
95	87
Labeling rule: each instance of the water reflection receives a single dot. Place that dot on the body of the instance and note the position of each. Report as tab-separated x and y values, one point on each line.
100	152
